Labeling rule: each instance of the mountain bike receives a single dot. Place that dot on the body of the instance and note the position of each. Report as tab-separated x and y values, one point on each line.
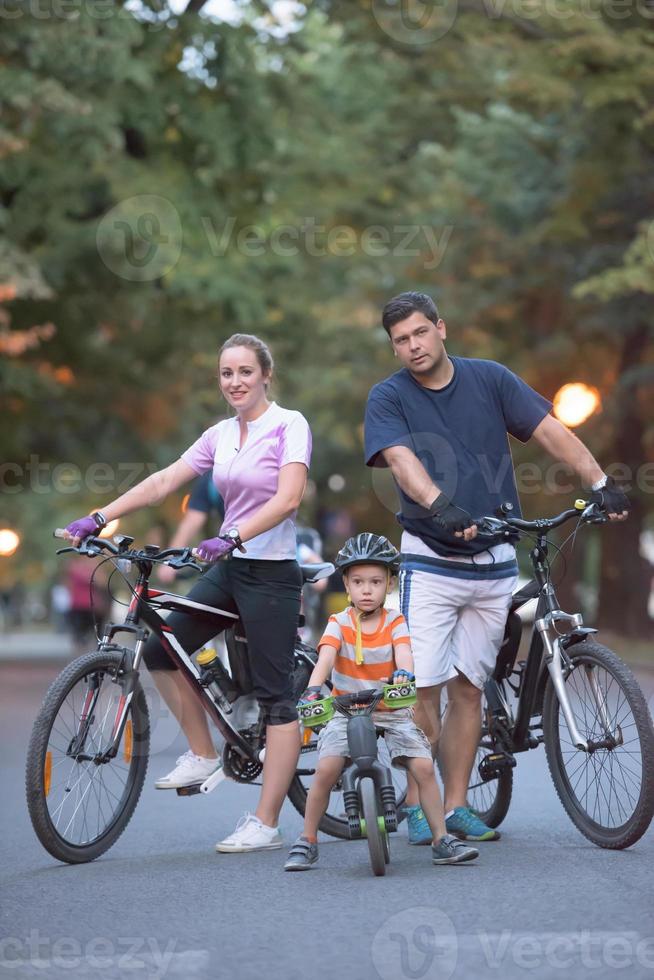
369	793
574	695
88	752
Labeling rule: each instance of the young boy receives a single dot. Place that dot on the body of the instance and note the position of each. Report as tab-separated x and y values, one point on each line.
361	648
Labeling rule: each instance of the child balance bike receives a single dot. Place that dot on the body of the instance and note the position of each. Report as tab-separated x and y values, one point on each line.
368	791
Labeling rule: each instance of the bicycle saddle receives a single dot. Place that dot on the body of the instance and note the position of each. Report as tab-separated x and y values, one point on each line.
314	573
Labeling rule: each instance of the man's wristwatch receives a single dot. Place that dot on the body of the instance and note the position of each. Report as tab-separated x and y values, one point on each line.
600	484
100	519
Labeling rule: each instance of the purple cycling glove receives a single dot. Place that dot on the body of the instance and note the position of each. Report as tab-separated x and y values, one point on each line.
211	549
83	528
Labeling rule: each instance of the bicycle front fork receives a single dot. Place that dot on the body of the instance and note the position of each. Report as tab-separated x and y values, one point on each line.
552	645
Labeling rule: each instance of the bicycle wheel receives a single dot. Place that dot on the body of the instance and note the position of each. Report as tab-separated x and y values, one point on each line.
608	793
334	821
78	805
374	834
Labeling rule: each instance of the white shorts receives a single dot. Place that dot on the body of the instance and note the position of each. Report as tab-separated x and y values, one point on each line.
457	621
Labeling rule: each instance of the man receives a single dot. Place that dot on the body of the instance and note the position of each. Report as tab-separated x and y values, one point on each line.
441	424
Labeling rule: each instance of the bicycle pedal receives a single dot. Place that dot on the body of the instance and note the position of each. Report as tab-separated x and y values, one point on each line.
494	764
189	790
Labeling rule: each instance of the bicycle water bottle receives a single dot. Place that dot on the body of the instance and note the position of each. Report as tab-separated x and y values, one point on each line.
216	679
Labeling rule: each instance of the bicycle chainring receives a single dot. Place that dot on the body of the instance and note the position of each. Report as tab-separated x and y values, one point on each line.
238	767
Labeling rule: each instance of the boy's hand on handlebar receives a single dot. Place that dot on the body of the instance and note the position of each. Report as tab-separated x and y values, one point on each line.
612	500
401	676
452	518
211	549
311	694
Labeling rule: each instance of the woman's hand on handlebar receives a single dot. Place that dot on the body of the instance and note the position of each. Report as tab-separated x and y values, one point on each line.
211	549
82	528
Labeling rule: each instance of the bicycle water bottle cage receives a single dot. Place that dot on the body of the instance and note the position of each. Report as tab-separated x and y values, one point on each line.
313	713
400	695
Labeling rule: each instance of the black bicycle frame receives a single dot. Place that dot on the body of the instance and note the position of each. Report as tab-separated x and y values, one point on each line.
141	610
534	674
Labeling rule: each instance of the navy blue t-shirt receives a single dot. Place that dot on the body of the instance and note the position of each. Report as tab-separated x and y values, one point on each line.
205	496
460	435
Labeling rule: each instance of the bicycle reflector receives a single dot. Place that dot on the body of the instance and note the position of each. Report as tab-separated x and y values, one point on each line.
400	695
128	741
314	713
47	773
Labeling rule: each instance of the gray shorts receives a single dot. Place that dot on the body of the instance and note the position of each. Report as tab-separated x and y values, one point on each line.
404	740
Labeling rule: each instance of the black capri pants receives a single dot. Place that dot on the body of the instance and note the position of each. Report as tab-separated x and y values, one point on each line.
266	595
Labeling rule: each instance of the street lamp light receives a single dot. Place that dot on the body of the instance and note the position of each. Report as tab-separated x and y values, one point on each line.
576	402
9	542
110	529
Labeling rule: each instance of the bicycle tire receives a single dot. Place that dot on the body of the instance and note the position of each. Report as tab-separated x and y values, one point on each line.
374	836
35	771
594	654
334	824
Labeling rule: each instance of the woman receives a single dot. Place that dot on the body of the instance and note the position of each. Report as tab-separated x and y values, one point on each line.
260	459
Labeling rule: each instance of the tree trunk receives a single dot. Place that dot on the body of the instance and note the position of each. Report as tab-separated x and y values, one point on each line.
624	575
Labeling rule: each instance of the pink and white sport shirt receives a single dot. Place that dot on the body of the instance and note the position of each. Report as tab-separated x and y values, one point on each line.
248	478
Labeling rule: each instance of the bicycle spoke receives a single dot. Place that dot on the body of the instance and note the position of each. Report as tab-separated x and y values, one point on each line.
607	782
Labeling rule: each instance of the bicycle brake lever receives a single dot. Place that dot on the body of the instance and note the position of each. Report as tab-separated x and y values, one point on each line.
62	551
594	515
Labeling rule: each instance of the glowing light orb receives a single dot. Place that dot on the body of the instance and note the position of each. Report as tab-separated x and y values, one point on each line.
576	402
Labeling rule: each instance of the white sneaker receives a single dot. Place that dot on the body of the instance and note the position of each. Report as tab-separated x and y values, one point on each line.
189	769
251	835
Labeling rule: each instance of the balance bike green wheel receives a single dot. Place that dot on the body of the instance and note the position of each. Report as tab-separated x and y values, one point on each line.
376	846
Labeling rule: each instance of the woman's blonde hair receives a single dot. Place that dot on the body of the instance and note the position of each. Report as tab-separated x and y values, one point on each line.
261	350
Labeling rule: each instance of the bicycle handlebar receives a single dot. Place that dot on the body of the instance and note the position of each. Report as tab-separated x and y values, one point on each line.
92	546
508	526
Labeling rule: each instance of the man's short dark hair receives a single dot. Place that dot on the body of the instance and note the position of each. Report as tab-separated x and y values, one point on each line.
402	306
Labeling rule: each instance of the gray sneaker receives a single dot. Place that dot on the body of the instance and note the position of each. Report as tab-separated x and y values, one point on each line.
450	850
301	856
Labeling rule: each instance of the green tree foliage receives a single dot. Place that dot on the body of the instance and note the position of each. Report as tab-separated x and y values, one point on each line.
169	178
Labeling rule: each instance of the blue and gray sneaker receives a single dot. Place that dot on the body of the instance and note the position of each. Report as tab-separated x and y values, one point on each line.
450	850
466	825
419	830
302	855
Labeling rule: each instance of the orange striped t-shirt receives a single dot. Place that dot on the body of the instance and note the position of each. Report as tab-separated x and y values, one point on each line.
378	650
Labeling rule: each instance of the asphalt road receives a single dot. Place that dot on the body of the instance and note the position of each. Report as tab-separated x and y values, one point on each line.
542	902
